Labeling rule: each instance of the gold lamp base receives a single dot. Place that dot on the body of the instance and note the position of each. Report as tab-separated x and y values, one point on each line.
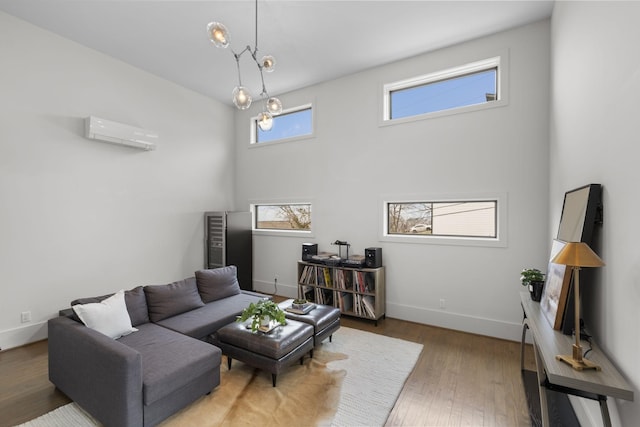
576	361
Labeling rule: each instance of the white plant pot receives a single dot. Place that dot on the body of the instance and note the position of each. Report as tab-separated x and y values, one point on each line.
266	322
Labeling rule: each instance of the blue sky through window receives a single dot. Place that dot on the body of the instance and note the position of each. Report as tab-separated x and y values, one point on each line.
287	125
456	92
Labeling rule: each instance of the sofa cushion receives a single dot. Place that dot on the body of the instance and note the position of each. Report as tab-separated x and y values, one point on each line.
204	321
109	316
165	301
134	299
137	305
217	283
170	360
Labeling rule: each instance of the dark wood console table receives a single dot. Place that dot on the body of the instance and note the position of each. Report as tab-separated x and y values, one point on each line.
559	377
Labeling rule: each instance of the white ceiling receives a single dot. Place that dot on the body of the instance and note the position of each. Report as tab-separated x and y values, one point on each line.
312	40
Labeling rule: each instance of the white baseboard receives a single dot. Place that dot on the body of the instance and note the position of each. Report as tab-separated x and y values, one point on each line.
442	318
23	335
459	322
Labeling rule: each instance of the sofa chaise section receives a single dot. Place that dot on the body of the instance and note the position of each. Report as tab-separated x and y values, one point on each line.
163	361
137	380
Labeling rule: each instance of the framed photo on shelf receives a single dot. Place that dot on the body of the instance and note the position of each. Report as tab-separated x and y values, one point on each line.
556	288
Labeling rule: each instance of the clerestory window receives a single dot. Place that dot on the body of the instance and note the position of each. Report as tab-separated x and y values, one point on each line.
290	124
448	218
467	86
292	217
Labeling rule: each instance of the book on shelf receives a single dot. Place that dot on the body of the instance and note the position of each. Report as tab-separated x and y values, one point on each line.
357	304
359	281
369	283
308	293
308	275
344	279
345	301
327	277
327	296
324	277
369	305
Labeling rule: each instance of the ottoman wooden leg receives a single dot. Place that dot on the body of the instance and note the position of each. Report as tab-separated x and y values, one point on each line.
273	379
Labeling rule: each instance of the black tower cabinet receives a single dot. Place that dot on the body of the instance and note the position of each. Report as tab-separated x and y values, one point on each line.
228	241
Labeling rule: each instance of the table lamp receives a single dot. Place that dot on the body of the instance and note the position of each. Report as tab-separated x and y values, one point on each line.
577	255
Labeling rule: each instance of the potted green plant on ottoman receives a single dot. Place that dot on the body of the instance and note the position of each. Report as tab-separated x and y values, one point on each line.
262	314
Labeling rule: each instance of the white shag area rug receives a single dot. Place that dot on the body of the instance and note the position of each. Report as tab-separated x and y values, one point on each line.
376	370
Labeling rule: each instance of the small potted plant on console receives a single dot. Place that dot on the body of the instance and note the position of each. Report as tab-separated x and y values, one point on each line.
264	315
534	280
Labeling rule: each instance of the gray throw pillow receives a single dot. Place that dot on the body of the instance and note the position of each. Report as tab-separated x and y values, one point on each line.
134	299
165	301
137	305
218	283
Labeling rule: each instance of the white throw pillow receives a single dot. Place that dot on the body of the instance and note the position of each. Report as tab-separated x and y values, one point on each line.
110	316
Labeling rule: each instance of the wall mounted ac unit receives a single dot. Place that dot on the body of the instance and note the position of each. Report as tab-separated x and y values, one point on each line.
119	133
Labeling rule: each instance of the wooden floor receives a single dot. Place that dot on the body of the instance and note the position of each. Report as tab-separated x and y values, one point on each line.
459	380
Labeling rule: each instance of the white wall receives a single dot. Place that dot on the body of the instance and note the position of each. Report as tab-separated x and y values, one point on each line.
594	138
352	162
79	217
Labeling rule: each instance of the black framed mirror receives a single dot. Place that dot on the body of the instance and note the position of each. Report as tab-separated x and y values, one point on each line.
581	212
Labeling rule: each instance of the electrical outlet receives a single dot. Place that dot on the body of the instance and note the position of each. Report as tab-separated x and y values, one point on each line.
443	303
25	316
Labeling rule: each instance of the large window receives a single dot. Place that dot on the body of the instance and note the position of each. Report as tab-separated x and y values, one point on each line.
282	217
462	219
293	123
469	85
467	219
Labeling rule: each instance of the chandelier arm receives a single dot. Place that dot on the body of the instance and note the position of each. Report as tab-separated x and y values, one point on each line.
256	45
238	67
246	49
264	93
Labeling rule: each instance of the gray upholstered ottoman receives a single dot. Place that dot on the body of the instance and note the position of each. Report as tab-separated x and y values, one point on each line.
324	319
271	351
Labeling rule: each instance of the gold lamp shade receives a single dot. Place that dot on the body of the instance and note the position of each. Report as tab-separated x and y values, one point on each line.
578	254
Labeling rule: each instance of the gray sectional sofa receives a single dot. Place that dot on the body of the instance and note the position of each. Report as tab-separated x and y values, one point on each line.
159	362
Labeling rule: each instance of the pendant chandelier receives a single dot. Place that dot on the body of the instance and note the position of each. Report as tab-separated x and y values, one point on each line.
219	36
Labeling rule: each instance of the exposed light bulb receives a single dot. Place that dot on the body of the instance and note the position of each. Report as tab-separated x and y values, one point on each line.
241	97
218	34
265	121
268	63
274	106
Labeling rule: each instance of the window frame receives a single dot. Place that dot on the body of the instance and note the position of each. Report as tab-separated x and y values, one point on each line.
501	220
500	62
253	204
253	140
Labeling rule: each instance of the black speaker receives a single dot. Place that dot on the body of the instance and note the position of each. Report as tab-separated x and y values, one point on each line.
309	250
373	257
